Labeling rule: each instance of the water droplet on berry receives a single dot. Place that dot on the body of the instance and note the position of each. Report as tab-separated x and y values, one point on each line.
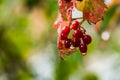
83	54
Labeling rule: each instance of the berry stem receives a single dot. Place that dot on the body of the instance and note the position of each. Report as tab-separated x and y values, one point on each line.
82	21
77	18
83	29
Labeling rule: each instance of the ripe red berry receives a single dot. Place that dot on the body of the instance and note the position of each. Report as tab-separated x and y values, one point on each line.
64	33
83	48
87	39
78	34
66	29
75	25
75	42
67	43
63	36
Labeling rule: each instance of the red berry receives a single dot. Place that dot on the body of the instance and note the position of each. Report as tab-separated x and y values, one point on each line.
75	25
63	36
87	39
78	34
67	43
75	42
64	33
83	48
66	29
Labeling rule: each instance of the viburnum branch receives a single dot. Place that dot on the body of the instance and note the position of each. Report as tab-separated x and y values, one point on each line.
82	21
77	18
93	11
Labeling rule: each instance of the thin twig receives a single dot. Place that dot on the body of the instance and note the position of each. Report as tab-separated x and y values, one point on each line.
77	18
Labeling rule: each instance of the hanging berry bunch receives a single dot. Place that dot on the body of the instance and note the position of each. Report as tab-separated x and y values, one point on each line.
71	35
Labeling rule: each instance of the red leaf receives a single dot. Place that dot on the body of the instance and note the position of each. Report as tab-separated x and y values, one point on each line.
93	10
59	22
64	14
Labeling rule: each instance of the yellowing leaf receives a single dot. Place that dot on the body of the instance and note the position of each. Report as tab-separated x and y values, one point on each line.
65	8
80	5
93	10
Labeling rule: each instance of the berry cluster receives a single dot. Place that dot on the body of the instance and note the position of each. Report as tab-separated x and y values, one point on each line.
79	37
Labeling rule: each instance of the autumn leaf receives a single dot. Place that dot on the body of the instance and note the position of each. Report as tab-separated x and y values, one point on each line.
64	8
60	22
64	14
93	10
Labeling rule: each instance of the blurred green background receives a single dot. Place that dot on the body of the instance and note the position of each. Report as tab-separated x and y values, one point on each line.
28	49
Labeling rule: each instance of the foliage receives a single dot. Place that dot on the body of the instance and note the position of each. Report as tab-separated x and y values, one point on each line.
16	43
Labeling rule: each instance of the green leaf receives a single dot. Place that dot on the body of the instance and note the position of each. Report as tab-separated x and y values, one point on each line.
108	16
